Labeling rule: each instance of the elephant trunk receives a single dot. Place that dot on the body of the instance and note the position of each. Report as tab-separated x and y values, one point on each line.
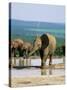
33	51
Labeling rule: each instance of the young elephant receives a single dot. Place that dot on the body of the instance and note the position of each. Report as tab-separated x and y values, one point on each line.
46	44
27	47
16	44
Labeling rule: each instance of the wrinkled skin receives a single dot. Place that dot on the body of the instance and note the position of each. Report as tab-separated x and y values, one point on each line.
45	48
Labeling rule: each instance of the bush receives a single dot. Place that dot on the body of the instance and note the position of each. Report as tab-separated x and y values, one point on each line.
58	52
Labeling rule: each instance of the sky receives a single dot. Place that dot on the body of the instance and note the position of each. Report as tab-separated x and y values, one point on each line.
38	12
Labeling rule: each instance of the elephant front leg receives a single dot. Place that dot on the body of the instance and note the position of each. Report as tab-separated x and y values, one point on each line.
14	61
43	61
42	64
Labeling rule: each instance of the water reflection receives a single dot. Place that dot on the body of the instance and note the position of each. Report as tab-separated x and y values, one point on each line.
52	71
46	71
36	72
43	71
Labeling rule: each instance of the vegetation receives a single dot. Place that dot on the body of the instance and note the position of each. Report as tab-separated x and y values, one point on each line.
59	52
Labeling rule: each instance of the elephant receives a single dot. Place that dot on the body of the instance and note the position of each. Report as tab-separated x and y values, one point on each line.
16	44
46	44
63	49
21	46
27	47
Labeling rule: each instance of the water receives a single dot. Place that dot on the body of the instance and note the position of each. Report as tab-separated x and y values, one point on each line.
37	62
32	71
36	72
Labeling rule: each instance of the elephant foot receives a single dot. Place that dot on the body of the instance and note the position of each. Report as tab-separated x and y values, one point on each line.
50	64
42	67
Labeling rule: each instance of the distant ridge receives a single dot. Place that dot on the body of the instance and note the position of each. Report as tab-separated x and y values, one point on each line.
28	30
37	24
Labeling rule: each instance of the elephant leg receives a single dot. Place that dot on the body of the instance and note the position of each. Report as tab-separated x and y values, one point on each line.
20	61
44	55
26	62
14	61
50	61
14	57
43	61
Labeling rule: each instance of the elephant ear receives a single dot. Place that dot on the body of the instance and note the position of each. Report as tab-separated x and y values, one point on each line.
45	41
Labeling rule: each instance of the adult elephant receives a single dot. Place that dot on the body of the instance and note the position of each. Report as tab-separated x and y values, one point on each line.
46	44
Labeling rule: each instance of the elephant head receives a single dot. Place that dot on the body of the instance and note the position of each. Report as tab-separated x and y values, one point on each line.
18	43
40	43
46	44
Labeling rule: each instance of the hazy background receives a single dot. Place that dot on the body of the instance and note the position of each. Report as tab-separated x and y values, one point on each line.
29	20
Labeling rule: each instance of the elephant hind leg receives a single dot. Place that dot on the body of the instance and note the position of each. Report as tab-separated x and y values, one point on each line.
50	61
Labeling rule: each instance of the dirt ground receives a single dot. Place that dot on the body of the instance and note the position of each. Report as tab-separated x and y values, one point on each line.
41	80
